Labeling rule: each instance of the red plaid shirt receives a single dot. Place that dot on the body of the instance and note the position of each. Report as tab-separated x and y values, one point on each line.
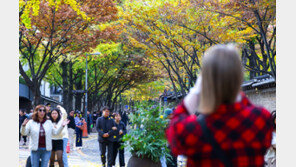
242	130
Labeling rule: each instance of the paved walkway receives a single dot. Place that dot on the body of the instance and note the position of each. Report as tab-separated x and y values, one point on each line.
88	156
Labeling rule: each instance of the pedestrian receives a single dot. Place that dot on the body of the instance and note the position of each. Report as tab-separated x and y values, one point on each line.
95	116
270	157
78	130
121	130
29	114
65	135
71	129
40	131
57	140
229	130
89	122
48	110
105	127
124	117
22	117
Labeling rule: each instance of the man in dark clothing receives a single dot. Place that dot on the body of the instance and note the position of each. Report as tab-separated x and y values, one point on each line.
72	120
124	117
89	122
121	130
22	117
94	118
106	127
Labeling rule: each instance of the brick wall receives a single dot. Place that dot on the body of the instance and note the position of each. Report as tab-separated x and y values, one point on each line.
264	97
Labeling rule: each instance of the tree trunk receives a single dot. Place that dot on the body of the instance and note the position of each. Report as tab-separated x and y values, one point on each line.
71	83
37	94
64	66
78	97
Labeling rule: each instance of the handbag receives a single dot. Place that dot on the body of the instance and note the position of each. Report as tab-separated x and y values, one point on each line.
217	151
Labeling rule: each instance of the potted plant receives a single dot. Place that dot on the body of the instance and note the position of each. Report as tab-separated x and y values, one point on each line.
146	139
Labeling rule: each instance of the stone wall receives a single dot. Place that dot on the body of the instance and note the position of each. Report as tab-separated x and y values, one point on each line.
264	97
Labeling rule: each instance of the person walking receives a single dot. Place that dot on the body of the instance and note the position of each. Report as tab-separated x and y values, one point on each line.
229	130
105	127
71	129
57	140
65	135
78	130
40	131
48	110
121	130
95	116
124	117
89	122
29	114
22	117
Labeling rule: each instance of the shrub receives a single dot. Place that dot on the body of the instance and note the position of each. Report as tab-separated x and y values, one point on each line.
146	138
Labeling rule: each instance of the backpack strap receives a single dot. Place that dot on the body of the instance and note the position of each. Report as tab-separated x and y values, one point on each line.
217	151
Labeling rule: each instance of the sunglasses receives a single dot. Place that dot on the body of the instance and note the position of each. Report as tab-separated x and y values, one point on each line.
42	110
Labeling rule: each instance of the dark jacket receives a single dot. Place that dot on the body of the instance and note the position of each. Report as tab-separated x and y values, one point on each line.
89	119
124	118
104	125
21	120
71	123
95	117
120	126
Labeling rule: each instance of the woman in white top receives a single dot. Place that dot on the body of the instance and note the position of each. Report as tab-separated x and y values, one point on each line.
40	131
57	140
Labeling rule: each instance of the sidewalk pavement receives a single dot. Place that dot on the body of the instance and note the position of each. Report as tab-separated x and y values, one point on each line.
88	156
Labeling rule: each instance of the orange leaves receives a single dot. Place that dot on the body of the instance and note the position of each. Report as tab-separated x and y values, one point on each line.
59	27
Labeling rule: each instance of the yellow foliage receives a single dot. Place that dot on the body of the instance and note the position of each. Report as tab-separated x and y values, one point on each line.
34	6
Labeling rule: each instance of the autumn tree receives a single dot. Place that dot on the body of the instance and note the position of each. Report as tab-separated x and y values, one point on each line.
112	73
116	71
259	51
176	33
56	30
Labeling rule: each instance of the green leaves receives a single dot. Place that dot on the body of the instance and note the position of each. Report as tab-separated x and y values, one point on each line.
147	136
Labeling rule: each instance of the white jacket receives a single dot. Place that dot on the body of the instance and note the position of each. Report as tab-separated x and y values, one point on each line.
32	129
60	135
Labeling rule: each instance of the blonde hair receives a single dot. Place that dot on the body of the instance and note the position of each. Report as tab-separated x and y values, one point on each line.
222	76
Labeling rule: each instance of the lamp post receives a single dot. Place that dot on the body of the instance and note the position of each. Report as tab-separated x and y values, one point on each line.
85	112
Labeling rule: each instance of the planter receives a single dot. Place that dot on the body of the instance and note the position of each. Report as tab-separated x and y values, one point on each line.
135	161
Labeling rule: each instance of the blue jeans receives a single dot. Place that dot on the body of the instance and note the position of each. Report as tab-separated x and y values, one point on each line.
65	158
42	154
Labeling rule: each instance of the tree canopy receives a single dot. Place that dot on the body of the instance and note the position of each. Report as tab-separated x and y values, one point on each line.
146	46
